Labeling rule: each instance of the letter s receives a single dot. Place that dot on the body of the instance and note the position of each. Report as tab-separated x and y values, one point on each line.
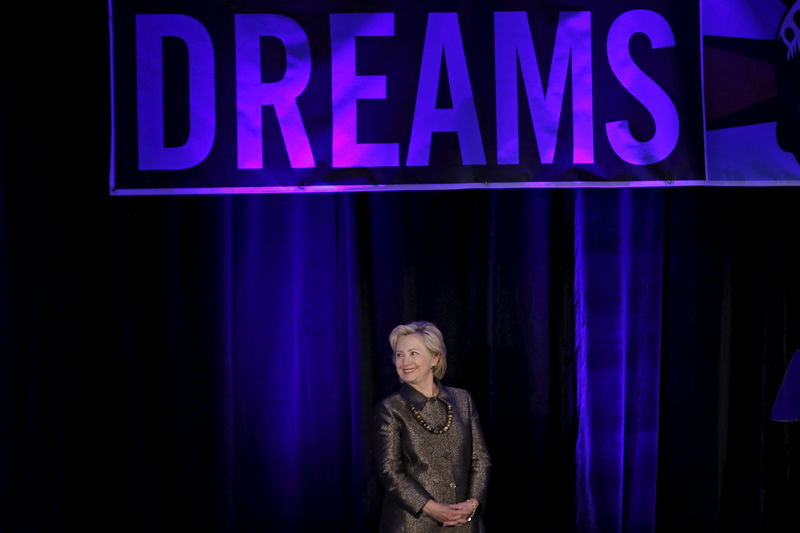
644	89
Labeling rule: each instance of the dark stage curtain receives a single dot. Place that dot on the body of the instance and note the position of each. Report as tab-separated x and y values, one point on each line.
211	363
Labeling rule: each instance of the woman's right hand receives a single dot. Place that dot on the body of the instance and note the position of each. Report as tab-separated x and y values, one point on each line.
443	513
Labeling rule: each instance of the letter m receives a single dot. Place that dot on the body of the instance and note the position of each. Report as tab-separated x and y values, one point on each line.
513	41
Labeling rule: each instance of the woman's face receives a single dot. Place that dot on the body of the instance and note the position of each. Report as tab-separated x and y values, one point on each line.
413	361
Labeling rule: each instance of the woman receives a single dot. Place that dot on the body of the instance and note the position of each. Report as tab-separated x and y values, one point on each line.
429	447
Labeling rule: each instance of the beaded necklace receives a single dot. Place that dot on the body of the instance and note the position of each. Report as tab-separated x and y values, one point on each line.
438	430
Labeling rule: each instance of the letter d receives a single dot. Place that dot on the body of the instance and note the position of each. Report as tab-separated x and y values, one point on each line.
150	31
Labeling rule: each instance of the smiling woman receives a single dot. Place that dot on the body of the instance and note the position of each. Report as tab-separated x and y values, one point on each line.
429	447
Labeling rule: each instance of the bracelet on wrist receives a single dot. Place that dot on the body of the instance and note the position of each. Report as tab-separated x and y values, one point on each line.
474	503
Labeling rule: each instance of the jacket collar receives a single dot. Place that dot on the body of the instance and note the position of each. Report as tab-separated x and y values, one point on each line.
418	400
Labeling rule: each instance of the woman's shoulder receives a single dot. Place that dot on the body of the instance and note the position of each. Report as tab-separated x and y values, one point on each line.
457	396
390	402
456	392
387	410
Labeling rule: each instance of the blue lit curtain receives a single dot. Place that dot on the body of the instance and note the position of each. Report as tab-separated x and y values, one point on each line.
619	250
212	363
300	407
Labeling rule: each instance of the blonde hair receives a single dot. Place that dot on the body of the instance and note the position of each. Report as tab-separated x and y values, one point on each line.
431	337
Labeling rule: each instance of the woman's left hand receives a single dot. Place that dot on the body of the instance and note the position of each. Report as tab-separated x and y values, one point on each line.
464	511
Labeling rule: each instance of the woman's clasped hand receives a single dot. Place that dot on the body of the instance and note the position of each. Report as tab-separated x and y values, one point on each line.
450	514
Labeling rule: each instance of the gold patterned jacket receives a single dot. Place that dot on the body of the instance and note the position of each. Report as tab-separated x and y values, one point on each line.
416	465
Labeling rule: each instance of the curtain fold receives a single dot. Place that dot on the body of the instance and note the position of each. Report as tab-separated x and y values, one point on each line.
618	284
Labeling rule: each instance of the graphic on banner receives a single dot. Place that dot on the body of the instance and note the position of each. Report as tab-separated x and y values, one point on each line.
752	90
